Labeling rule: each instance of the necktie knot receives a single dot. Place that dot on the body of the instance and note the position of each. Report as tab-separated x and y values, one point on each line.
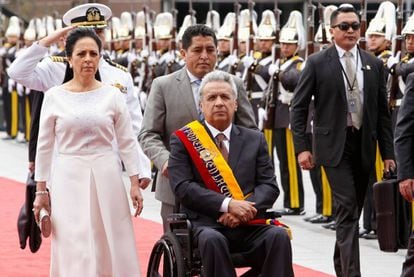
197	82
348	54
220	137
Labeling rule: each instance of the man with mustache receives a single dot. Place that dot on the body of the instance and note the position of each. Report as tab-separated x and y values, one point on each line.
173	102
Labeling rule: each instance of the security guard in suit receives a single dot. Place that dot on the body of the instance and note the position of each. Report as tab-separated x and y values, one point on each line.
287	71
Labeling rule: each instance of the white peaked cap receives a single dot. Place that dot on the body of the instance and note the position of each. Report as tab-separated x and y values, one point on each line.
92	14
14	27
267	26
226	30
58	23
126	26
40	28
327	12
140	25
346	5
163	25
213	20
30	33
244	27
187	22
116	25
50	28
383	23
293	31
409	26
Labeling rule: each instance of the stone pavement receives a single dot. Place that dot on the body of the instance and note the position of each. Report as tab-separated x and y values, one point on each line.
312	245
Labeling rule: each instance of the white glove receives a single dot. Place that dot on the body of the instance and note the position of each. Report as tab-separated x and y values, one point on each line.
248	61
152	60
144	53
262	116
274	67
393	60
233	60
20	89
143	99
169	57
11	85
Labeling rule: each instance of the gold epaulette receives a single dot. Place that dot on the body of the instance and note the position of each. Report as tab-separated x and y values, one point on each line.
117	65
58	59
257	55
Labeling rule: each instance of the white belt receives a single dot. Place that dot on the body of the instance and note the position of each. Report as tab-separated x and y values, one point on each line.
256	95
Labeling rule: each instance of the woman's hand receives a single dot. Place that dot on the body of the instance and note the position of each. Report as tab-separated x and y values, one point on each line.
55	36
137	199
42	201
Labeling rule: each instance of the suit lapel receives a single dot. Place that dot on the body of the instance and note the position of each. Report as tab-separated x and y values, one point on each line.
236	143
335	64
185	92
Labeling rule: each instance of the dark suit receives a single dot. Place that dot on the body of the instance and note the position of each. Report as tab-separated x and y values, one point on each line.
254	172
347	154
404	152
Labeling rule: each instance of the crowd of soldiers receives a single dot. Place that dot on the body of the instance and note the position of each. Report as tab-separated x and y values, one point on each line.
268	55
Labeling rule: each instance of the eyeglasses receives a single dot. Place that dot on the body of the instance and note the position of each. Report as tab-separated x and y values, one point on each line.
344	26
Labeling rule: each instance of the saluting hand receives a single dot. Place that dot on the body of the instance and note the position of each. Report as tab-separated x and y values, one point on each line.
55	36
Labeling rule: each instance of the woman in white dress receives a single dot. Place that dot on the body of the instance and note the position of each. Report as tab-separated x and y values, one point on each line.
92	233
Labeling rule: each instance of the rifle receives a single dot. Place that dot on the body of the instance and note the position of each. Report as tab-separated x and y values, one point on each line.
173	44
311	28
235	51
145	45
191	12
250	50
398	47
322	23
271	97
363	13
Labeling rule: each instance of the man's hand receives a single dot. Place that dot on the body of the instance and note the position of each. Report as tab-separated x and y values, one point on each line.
407	189
389	165
144	182
164	170
55	36
305	160
242	209
229	220
31	167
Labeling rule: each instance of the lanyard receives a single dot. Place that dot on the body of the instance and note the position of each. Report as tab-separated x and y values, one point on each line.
351	87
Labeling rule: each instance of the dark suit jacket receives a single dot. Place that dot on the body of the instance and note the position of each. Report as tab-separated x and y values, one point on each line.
323	79
251	165
404	133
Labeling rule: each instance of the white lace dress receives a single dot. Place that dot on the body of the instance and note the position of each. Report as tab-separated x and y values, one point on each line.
92	233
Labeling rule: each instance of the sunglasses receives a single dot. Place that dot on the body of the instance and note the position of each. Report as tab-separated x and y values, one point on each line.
344	26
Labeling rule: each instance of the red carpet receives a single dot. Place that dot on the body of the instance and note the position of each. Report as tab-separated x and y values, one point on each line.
15	262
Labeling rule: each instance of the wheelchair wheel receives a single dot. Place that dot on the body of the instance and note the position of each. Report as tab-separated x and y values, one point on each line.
168	248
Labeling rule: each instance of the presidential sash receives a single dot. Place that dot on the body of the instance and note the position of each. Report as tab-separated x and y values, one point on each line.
210	163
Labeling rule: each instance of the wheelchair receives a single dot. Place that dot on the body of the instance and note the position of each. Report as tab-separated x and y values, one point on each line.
178	255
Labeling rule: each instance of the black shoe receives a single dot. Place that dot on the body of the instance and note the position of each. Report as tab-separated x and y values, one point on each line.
321	219
296	211
370	235
308	218
330	226
8	138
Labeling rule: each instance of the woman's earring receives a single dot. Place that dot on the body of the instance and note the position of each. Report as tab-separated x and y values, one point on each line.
70	65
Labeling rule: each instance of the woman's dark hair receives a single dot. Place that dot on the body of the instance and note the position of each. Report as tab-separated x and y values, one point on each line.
197	30
72	38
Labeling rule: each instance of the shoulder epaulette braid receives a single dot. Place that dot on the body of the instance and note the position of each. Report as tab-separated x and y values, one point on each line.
117	65
58	59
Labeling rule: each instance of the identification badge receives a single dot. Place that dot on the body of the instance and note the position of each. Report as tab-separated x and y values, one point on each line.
352	105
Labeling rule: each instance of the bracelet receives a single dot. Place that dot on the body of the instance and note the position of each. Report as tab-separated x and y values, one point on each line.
41	192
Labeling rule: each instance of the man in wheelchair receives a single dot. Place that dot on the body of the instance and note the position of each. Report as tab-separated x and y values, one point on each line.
224	179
